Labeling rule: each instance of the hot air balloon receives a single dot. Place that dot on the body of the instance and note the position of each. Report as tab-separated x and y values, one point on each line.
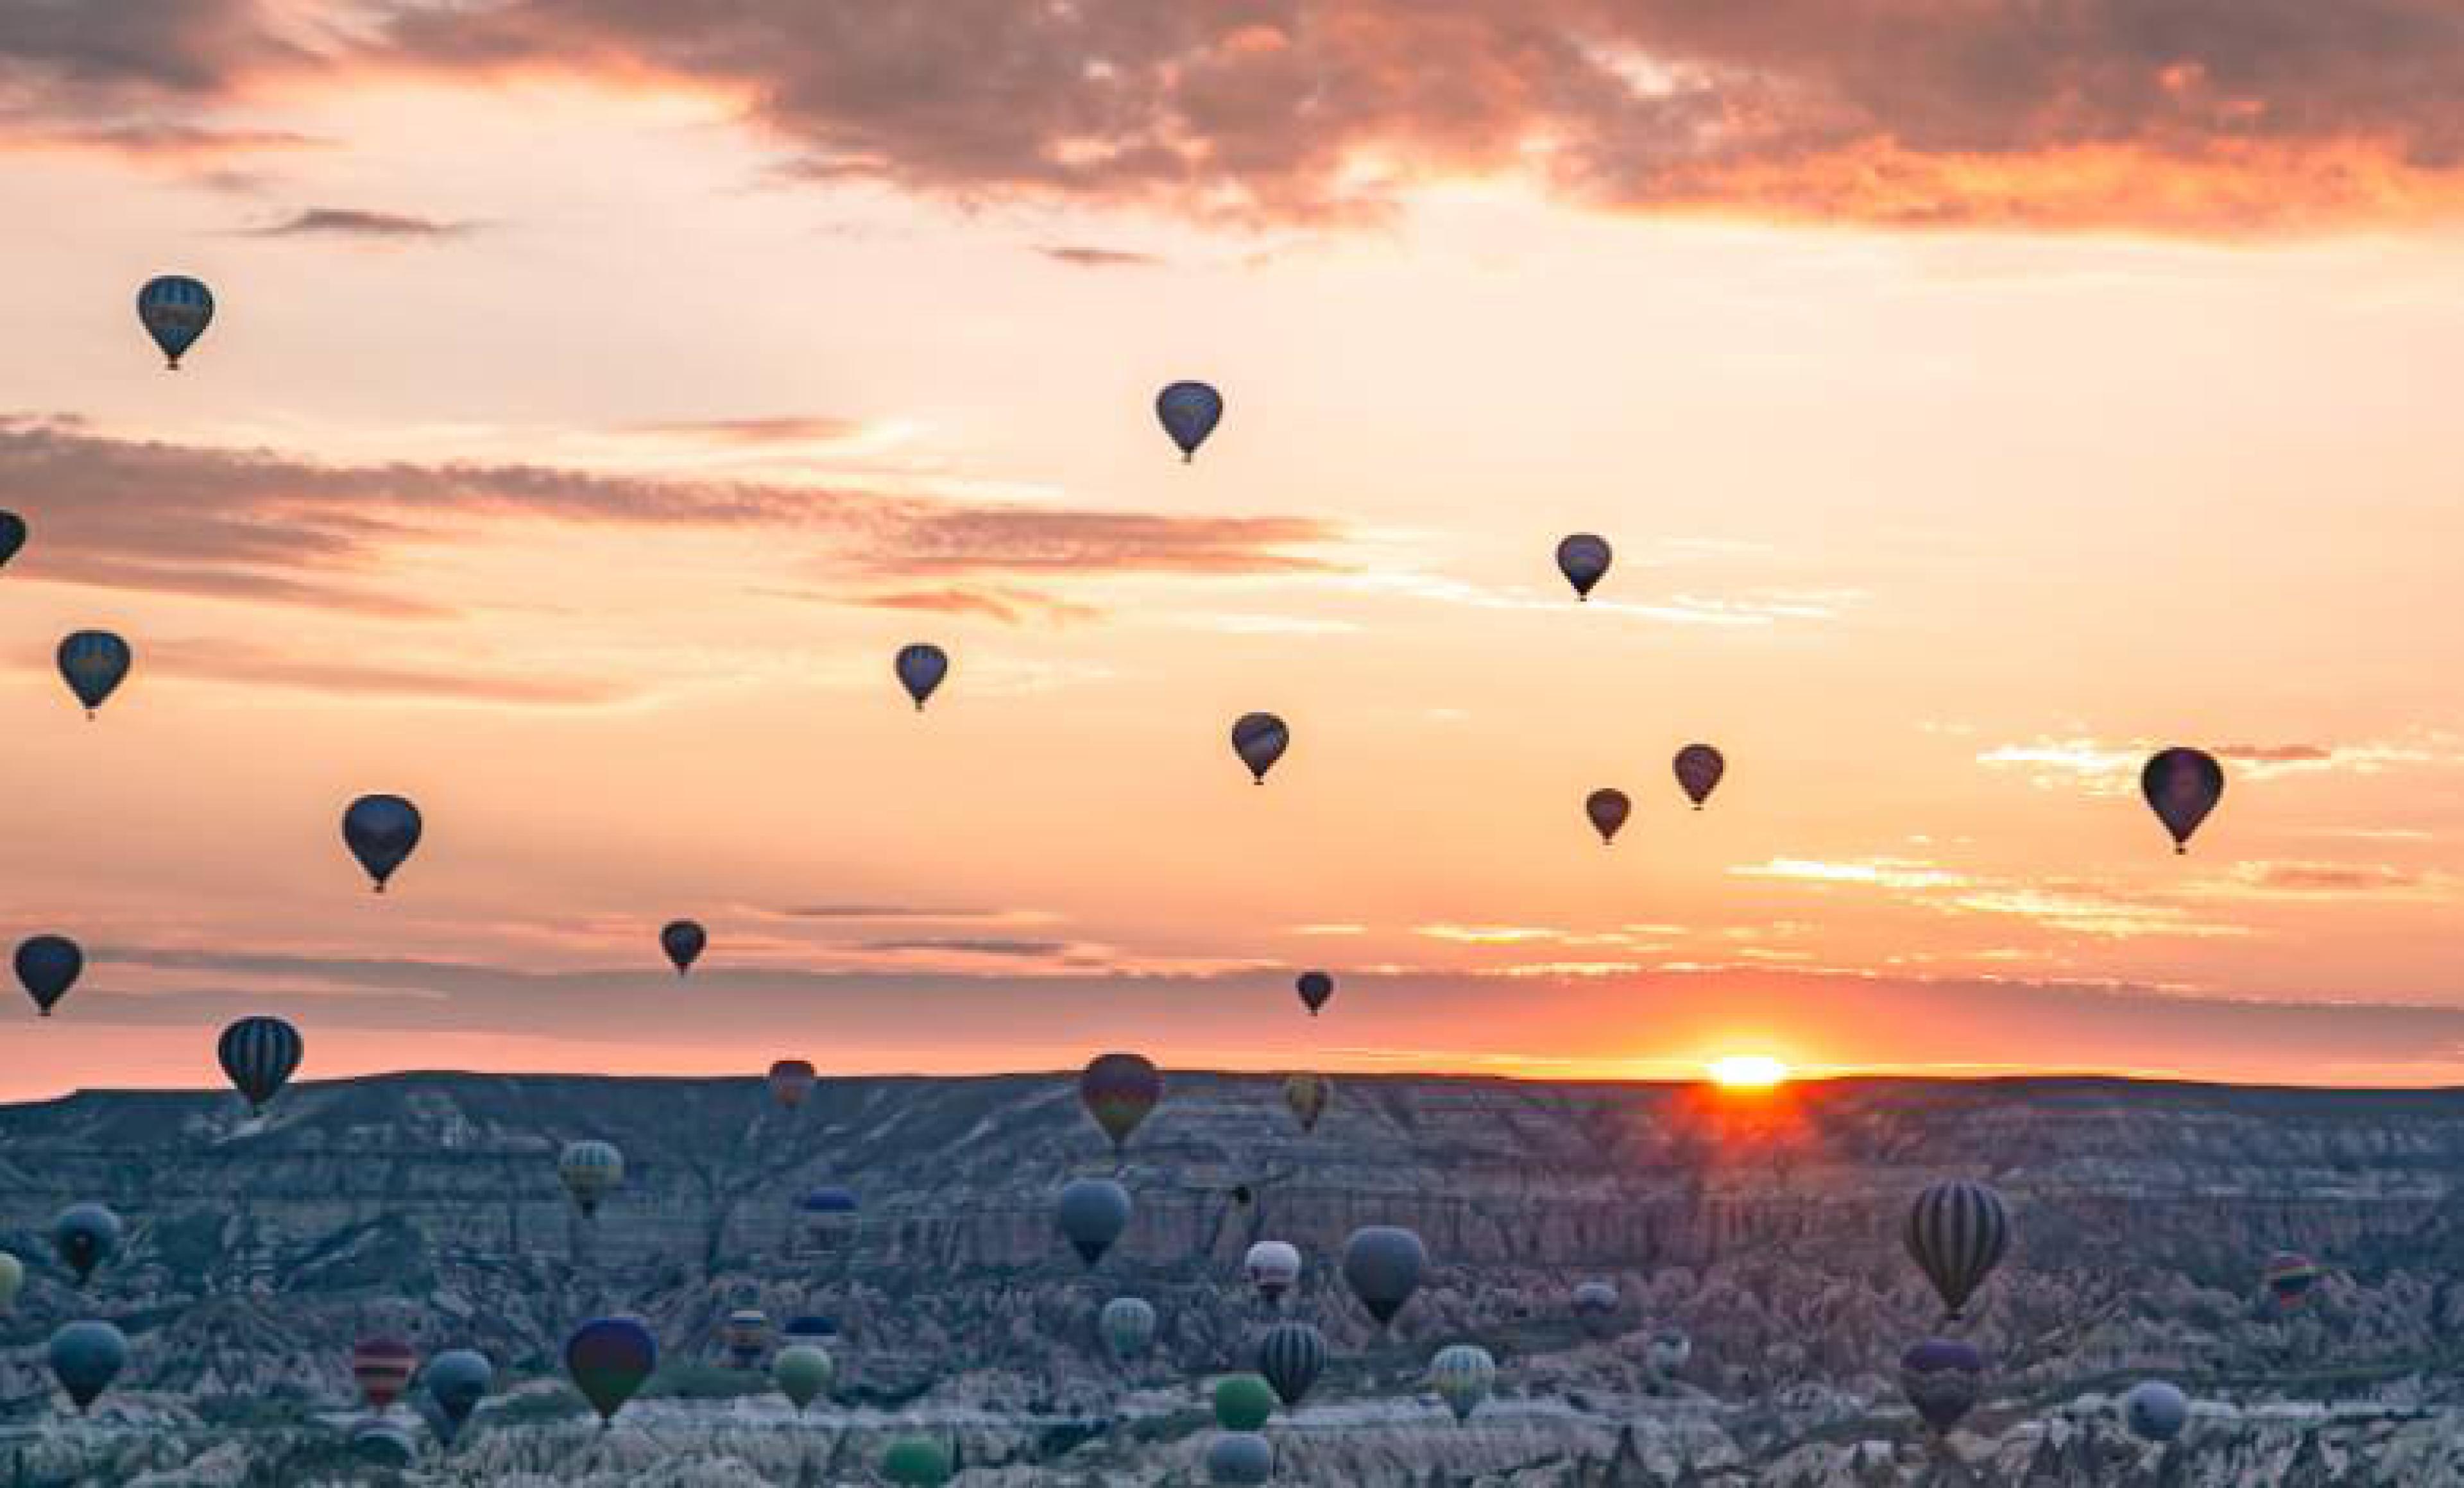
1595	1309
1291	1356
683	940
94	663
1608	809
1667	1350
2155	1411
1383	1265
1942	1377
810	1326
803	1371
746	1333
1308	1096
1240	1457
457	1380
2182	786
1118	1090
791	1080
381	1368
830	1214
917	1463
12	536
384	1443
86	1357
1260	739
1189	412
591	1171
609	1358
2289	1276
1584	561
1273	1268
175	310
47	968
260	1055
1093	1213
829	1199
1128	1325
920	669
1242	1402
1463	1375
1956	1234
1314	988
1699	767
381	831
12	1280
85	1235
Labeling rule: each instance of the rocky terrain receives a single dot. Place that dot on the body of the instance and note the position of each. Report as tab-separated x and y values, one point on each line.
1766	1226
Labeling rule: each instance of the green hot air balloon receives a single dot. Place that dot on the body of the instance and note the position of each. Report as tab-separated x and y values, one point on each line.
1128	1325
1244	1401
12	1280
919	1462
1463	1375
803	1371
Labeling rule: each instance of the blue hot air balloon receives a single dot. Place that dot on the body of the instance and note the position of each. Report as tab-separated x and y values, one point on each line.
381	831
94	663
1942	1377
260	1055
457	1380
1383	1265
920	669
1260	739
1093	1213
85	1235
1584	560
12	536
175	310
683	940
48	966
1240	1457
2155	1411
1189	412
86	1357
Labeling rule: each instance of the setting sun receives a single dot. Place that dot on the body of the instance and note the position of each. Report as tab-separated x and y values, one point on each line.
1746	1071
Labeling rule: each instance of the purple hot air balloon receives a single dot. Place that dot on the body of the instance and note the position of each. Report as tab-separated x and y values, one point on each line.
684	941
609	1358
1260	739
1699	767
1608	810
1584	560
921	669
2182	786
1118	1090
1942	1377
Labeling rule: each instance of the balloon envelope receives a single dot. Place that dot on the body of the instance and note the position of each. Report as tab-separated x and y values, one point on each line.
1595	1309
94	663
12	1280
1608	810
683	940
1308	1096
1463	1375
1240	1457
1942	1377
1273	1268
1383	1265
175	310
1118	1090
381	831
1584	560
1667	1350
1699	767
2155	1411
791	1080
1129	1325
12	536
1260	739
1244	1401
590	1170
2182	786
916	1462
1291	1356
802	1372
258	1055
1314	988
609	1358
1189	412
2289	1276
1956	1234
86	1357
48	966
85	1235
381	1368
1091	1213
920	669
384	1443
457	1380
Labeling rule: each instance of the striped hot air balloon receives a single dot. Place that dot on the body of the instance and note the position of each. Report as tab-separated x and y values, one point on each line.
1463	1375
1956	1234
2289	1276
1128	1325
381	1368
175	310
590	1170
1291	1356
260	1055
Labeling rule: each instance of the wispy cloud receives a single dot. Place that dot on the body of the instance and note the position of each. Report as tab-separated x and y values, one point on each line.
1078	256
1882	872
344	222
1487	934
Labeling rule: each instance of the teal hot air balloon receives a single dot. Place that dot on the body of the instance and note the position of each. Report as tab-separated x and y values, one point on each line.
457	1380
1128	1325
1091	1213
259	1056
1189	412
803	1371
175	310
590	1170
86	1357
609	1358
12	1280
1291	1356
683	941
94	663
1463	1375
1584	560
85	1235
12	536
381	831
48	966
1382	1263
1240	1457
921	669
917	1463
1260	739
1242	1402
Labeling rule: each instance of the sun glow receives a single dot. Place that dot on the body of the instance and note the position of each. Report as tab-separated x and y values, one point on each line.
1746	1071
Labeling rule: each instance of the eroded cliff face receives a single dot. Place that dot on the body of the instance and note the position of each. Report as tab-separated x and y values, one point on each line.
1765	1227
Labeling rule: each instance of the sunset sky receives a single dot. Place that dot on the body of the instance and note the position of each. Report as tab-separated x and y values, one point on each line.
1979	396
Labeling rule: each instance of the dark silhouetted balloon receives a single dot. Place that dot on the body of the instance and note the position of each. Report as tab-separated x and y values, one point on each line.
1942	1377
791	1080
1128	1325
1596	1308
260	1055
381	831
1260	739
917	1463
746	1334
12	536
85	1235
457	1380
48	966
86	1357
384	1443
683	940
94	663
609	1358
920	669
1308	1096
1699	767
1608	810
1463	1375
2155	1411
802	1372
381	1368
1291	1356
1240	1457
1119	1090
175	310
1093	1213
1956	1234
1242	1402
1189	412
2182	786
1383	1264
1584	561
2289	1276
1314	988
